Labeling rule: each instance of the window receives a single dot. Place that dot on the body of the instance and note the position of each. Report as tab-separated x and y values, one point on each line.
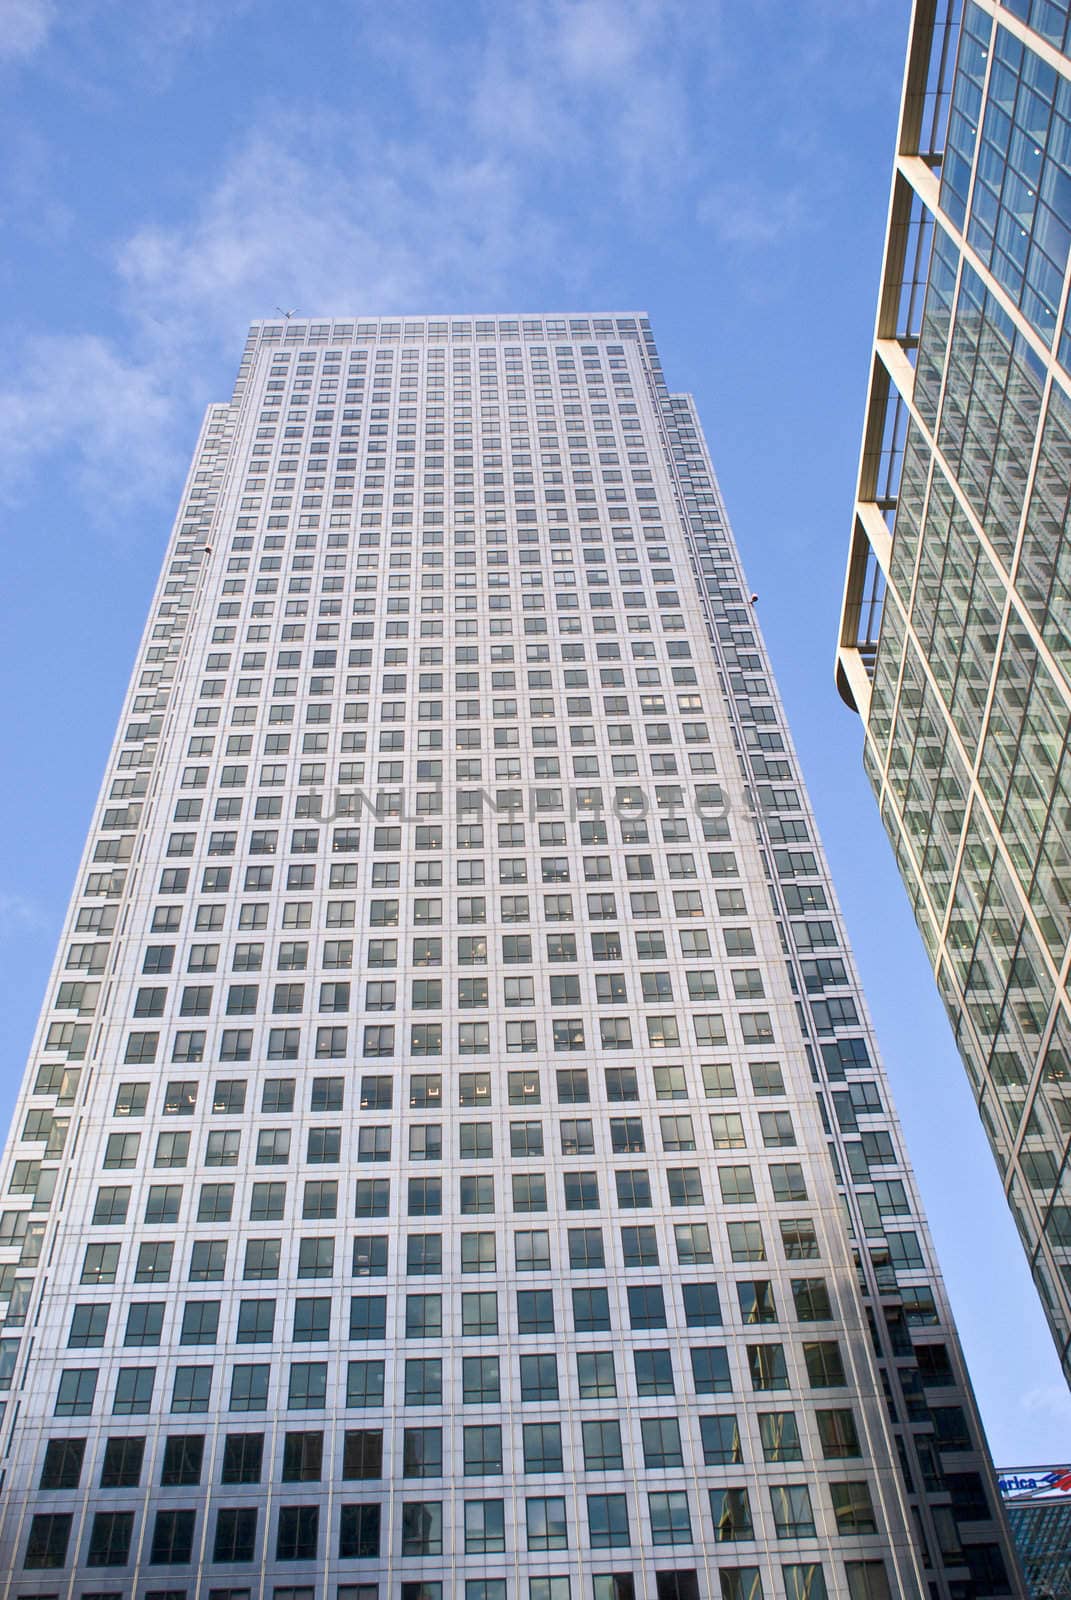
181	1463
423	1316
608	1524
476	1196
710	1369
685	1186
62	1465
236	1534
297	1533
46	1544
730	1510
371	1197
613	1586
654	1372
362	1453
581	1191
776	1129
422	1528
425	1198
133	1391
756	1301
88	1326
480	1380
422	1452
172	1538
545	1523
485	1526
482	1446
243	1455
825	1368
542	1447
312	1320
364	1383
526	1139
661	1438
101	1262
767	1365
532	1251
249	1388
804	1581
358	1538
737	1185
539	1378
572	1085
373	1144
477	1252
591	1310
77	1388
307	1386
633	1189
262	1259
787	1182
745	1241
646	1306
799	1239
838	1434
596	1376
780	1436
684	1585
529	1191
852	1508
720	1436
671	1521
867	1580
208	1260
191	1389
792	1514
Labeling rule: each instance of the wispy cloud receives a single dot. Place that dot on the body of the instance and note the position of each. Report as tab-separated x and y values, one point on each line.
24	27
110	418
163	31
754	216
456	180
1052	1402
317	212
20	916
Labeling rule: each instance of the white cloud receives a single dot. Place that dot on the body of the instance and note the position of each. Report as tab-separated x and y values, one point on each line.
1051	1402
80	400
600	89
20	915
311	213
318	214
162	31
465	195
751	215
24	27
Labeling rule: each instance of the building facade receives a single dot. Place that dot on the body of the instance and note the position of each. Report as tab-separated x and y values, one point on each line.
1037	1502
954	640
454	1162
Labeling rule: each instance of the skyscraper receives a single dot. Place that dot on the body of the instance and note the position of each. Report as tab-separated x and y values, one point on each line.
954	643
454	1163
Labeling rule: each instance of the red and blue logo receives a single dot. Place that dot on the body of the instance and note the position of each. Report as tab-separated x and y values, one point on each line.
1030	1484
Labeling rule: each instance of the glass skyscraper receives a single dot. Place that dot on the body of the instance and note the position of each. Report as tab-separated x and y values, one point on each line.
454	1161
1037	1502
955	644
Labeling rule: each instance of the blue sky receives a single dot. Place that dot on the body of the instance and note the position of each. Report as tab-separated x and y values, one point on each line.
175	168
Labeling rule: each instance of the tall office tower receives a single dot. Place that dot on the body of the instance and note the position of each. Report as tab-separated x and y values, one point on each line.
425	1185
955	644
